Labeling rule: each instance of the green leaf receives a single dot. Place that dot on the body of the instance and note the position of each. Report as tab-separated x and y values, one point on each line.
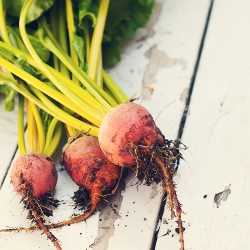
9	93
111	54
87	10
15	37
46	119
79	47
22	64
36	10
7	55
41	50
124	18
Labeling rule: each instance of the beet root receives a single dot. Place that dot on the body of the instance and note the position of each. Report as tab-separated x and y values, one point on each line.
123	127
34	171
129	137
34	177
88	167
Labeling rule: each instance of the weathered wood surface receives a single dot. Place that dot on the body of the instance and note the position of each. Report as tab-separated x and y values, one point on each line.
217	134
8	139
162	58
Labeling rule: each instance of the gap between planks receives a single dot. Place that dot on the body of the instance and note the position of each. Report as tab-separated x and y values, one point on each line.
184	115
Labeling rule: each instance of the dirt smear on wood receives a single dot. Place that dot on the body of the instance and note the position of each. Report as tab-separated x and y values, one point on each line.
109	213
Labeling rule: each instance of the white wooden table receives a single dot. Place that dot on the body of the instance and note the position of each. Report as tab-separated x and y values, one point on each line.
177	50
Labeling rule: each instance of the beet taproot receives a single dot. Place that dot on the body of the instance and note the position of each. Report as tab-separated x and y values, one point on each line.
128	136
89	168
34	177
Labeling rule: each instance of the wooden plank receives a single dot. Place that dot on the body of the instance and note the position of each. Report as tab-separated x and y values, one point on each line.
160	57
164	62
8	139
217	134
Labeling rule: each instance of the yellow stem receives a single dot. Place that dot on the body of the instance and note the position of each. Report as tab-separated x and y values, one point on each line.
97	39
71	131
65	117
20	134
71	27
76	89
62	37
86	37
83	110
53	137
100	95
53	109
31	129
50	132
116	91
66	92
99	78
39	128
3	26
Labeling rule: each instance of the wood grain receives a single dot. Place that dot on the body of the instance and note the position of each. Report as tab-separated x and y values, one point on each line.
217	135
